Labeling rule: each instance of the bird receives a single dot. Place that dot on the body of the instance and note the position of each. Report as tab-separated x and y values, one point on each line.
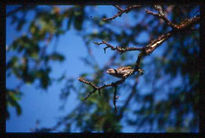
121	72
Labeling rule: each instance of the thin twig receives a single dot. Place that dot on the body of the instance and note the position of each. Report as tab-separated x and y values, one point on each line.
119	49
184	24
161	14
118	7
87	82
97	88
121	11
163	17
115	98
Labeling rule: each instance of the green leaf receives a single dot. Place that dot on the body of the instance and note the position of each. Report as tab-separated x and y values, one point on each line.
70	20
123	57
12	100
57	56
34	55
45	79
79	17
84	75
13	62
101	23
20	24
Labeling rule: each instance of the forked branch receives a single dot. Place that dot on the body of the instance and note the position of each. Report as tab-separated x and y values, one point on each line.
121	11
119	49
161	15
144	51
98	88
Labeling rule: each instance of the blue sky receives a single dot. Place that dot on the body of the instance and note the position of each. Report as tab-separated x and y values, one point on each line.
44	106
36	103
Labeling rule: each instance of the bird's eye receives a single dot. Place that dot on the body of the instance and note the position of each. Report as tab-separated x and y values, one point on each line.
108	71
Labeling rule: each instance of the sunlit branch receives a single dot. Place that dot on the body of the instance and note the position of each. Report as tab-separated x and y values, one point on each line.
118	7
162	38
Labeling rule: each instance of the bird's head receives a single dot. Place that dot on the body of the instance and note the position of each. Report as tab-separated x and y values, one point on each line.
110	71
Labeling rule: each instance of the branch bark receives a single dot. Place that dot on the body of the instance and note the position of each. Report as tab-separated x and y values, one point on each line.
97	88
119	49
121	11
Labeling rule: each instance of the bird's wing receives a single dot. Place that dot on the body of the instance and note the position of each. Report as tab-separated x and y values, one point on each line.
126	67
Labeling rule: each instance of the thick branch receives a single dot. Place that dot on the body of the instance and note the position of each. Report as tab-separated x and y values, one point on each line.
162	38
121	11
155	43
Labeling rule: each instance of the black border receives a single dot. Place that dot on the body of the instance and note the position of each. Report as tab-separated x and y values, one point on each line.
3	4
2	69
202	71
99	2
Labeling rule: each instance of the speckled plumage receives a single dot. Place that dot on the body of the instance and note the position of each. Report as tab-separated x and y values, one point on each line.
121	72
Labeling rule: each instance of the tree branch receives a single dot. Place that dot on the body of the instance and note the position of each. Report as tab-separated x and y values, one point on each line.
115	98
97	88
119	49
155	43
161	15
185	25
118	7
121	11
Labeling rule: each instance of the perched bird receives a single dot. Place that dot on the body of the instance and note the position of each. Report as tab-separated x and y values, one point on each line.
121	72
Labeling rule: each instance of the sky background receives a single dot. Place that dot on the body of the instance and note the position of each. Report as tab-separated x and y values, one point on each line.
38	104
